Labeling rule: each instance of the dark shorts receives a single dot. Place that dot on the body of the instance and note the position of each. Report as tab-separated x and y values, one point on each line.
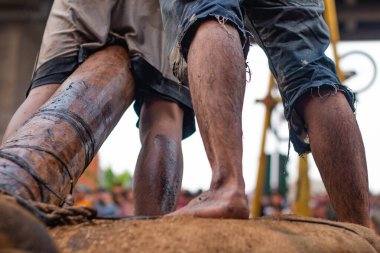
292	33
77	29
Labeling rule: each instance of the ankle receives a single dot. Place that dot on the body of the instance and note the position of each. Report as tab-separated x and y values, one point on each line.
234	183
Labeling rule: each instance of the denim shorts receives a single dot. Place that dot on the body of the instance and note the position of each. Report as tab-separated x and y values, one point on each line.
292	33
181	19
77	29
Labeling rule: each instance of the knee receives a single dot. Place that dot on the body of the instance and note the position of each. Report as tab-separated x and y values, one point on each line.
42	93
216	29
161	118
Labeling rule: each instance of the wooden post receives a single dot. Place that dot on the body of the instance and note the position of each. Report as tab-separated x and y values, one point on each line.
269	103
332	22
301	205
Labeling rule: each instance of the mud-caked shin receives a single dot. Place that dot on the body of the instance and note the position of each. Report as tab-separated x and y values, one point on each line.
43	160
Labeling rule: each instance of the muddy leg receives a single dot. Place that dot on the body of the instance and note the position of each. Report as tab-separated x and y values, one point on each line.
217	85
46	156
338	150
158	174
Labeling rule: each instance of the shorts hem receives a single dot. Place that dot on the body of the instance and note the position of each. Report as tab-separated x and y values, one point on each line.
150	81
297	129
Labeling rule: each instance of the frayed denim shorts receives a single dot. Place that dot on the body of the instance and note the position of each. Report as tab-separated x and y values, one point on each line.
292	33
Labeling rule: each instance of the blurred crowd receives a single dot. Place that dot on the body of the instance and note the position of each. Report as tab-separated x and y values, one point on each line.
277	204
118	202
375	212
115	202
320	207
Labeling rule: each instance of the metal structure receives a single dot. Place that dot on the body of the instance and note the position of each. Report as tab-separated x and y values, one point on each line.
359	19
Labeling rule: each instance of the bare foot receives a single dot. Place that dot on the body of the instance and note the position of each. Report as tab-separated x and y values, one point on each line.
220	203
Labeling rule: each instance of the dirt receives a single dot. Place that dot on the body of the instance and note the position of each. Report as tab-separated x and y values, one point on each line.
186	234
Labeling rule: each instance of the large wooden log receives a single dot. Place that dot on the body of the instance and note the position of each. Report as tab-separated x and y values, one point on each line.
45	157
196	235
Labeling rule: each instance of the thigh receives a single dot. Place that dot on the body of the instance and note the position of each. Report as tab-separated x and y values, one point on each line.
161	116
140	23
34	101
74	30
73	25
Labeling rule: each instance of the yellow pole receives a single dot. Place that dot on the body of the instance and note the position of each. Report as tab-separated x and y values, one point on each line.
269	103
332	23
301	206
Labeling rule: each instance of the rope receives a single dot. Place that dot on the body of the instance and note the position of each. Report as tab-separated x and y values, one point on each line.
77	123
52	215
50	153
81	128
315	221
141	217
26	167
16	179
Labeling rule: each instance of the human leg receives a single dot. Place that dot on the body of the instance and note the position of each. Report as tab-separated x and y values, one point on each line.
208	38
218	108
294	36
158	173
165	117
338	151
36	98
